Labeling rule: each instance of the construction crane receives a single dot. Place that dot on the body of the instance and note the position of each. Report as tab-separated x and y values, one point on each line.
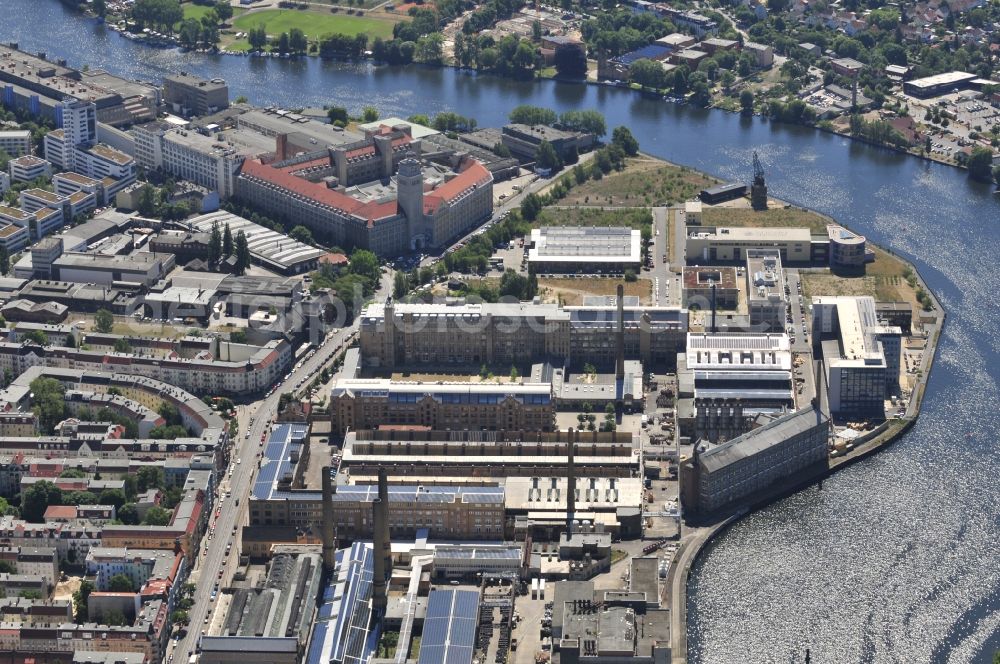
758	190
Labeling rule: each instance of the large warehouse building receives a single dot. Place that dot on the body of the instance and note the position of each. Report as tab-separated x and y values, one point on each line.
585	249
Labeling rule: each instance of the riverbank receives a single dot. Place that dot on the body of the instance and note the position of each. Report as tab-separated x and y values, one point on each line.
240	48
695	542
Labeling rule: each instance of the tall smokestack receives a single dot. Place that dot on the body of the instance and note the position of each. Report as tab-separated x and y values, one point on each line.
620	336
570	480
382	537
713	329
379	591
329	545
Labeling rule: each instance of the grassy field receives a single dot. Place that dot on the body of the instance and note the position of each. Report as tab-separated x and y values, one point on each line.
571	291
194	11
594	217
643	183
773	218
315	24
883	280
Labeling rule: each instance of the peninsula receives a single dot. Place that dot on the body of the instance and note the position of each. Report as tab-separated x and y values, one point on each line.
289	390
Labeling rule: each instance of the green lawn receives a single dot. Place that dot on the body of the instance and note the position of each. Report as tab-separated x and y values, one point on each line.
314	24
194	11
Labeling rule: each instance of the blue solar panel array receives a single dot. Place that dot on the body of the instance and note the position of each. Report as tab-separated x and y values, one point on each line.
450	627
284	439
346	639
650	52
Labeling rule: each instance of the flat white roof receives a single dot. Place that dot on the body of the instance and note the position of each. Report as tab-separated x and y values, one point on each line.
745	234
592	244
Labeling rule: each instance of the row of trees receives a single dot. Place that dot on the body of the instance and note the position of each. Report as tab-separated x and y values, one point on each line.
586	121
222	245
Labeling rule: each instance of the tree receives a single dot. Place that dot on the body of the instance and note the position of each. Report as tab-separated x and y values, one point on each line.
531	206
129	514
399	285
215	244
100	7
623	138
242	253
297	40
179	617
430	49
37	498
532	115
122	346
338	114
150	477
223	10
257	37
647	73
104	321
369	114
37	337
4	260
546	157
47	402
591	122
365	263
114	497
302	234
80	597
73	473
227	242
113	618
570	61
980	164
120	583
746	102
189	33
156	516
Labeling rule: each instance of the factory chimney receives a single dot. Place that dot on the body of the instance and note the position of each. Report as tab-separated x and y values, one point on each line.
329	542
379	591
380	543
713	329
620	336
570	480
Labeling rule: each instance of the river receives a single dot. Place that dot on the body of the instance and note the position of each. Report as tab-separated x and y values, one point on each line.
896	559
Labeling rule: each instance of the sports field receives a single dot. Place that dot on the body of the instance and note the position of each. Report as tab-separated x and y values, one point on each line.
314	24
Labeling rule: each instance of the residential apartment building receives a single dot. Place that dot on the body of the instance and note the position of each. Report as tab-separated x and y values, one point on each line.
722	475
248	369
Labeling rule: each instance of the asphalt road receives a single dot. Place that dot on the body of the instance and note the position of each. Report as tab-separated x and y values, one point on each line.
232	510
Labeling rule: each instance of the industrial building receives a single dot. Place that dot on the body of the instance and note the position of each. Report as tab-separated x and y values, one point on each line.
475	455
722	193
725	380
710	244
273	250
708	287
861	356
719	475
448	512
189	95
523	140
939	84
271	622
365	403
607	627
585	249
766	299
460	333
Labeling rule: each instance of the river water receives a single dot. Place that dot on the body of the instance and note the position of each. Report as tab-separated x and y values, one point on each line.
896	559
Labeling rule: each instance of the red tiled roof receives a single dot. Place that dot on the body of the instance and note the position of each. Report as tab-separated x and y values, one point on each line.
54	512
333	259
473	174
